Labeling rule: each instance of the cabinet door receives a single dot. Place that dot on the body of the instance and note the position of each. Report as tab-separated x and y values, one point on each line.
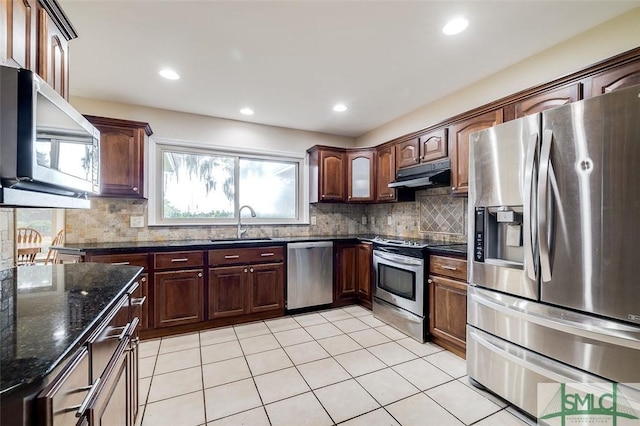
332	182
18	49
615	79
433	146
346	282
459	147
53	51
365	259
385	173
360	176
448	311
548	100
121	162
228	291
407	153
267	287
178	297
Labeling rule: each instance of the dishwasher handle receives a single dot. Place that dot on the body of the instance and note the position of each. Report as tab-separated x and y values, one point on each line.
310	245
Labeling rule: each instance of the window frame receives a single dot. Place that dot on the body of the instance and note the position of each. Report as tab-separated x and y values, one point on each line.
155	206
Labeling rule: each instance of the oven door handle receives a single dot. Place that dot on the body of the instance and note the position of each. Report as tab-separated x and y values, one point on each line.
402	260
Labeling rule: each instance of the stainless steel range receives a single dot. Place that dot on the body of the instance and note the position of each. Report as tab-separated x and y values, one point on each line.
399	296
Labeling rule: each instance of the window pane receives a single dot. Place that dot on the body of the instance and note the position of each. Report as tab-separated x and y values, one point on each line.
269	187
197	186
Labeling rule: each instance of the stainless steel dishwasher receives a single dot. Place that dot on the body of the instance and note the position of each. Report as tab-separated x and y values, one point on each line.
309	274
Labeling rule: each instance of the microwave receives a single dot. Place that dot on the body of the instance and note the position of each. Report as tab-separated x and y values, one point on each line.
46	146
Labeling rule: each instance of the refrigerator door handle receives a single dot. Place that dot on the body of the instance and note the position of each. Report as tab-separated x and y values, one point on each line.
543	199
528	209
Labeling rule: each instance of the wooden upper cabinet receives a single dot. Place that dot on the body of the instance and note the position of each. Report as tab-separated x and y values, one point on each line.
123	156
326	174
19	46
360	175
459	147
433	145
385	173
616	78
407	153
53	54
547	100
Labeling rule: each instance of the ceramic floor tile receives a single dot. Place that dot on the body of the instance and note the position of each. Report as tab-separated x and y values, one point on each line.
451	364
391	332
255	417
392	353
293	337
148	348
339	344
139	416
188	408
336	315
173	361
219	373
221	351
146	366
462	402
323	372
306	352
280	385
422	374
250	330
416	409
266	362
306	320
299	410
350	325
420	349
491	397
282	324
169	385
321	331
387	386
360	362
371	321
379	417
357	311
521	416
253	345
345	400
218	335
369	337
501	418
179	343
232	398
143	390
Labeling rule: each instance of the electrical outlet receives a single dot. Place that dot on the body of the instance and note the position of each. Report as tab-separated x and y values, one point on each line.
372	220
363	220
389	220
313	220
136	221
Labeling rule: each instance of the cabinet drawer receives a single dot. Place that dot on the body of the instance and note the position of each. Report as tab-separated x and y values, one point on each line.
246	255
448	266
134	259
178	259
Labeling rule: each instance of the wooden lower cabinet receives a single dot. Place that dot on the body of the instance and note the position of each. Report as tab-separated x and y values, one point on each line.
178	297
353	265
266	285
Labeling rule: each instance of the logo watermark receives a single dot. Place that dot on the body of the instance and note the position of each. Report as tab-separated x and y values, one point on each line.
570	404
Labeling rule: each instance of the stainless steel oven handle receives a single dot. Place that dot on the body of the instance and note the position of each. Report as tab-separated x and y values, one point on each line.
398	258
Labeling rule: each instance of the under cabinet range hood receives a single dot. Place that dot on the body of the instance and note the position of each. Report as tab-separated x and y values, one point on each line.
437	173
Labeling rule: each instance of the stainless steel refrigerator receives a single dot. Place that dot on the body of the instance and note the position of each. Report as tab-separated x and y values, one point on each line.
554	248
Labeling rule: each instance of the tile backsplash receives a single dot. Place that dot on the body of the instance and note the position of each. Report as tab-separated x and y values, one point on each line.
7	254
434	214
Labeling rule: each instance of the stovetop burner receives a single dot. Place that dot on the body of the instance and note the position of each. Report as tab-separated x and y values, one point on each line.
399	243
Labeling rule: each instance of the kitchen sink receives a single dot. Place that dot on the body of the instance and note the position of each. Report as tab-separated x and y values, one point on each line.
240	240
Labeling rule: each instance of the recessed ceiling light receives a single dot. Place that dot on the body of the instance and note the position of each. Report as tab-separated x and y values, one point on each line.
246	111
339	107
169	74
455	26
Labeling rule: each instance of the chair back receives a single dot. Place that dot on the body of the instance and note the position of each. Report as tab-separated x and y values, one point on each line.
27	236
52	255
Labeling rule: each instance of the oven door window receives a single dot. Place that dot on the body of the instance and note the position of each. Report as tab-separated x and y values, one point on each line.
400	282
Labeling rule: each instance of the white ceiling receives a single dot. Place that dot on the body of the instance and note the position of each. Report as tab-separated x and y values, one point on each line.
292	61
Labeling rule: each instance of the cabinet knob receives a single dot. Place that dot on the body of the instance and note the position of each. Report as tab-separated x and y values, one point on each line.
251	270
135	188
199	274
430	281
246	270
349	196
453	188
143	279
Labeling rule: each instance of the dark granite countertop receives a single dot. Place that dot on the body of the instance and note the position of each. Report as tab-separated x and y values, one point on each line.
48	311
453	249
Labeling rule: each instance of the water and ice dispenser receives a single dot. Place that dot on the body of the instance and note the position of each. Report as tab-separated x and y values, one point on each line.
498	236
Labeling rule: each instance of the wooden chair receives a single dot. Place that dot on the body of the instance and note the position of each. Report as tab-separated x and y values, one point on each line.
52	255
27	236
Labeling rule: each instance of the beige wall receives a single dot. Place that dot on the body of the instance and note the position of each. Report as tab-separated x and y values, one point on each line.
212	131
609	39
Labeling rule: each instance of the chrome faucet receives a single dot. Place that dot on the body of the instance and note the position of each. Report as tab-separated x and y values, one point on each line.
253	214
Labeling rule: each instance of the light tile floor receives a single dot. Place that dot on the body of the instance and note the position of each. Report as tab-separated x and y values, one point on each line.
339	366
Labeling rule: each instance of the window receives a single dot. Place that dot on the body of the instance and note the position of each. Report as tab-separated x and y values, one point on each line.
46	221
196	186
